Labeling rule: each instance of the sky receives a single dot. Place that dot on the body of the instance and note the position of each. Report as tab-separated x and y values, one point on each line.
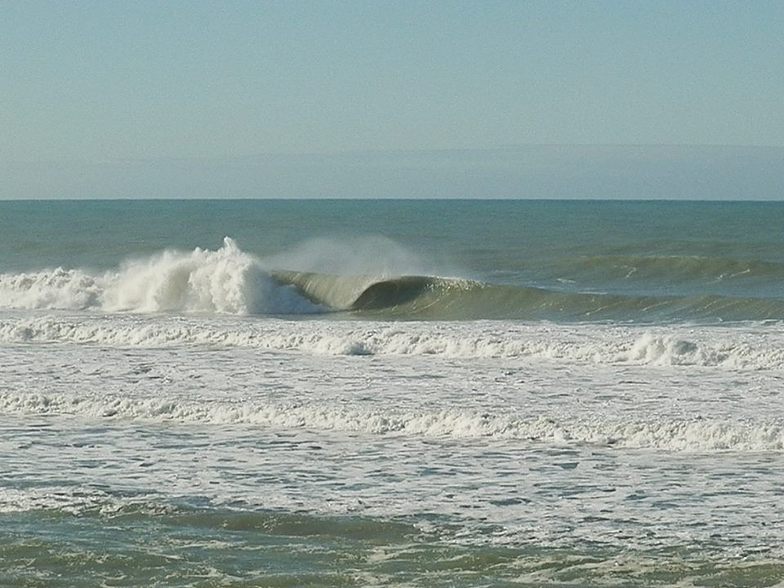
672	99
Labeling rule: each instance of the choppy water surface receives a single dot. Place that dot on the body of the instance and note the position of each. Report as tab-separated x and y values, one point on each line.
272	409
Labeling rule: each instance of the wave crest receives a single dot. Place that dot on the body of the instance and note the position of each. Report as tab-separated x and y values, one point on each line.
231	281
224	281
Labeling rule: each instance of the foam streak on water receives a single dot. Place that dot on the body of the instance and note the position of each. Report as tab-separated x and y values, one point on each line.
752	347
553	402
605	442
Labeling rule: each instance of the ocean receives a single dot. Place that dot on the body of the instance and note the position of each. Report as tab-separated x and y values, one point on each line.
391	393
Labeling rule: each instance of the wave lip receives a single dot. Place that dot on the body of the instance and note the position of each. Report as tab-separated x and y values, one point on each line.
231	281
443	298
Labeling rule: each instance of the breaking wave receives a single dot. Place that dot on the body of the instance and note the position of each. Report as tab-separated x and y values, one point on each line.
225	281
231	281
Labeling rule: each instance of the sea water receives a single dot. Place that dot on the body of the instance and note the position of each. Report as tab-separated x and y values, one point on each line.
407	393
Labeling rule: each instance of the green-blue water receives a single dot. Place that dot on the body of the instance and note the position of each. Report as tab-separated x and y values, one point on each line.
582	260
391	393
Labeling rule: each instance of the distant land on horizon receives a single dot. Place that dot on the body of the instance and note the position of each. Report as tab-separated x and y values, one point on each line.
698	172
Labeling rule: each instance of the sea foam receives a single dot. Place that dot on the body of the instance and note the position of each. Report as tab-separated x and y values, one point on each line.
225	281
380	280
759	347
670	435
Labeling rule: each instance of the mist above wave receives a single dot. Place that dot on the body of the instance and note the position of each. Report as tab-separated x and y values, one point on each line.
223	281
370	276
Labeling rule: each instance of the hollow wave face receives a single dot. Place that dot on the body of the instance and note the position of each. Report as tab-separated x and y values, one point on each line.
322	276
231	281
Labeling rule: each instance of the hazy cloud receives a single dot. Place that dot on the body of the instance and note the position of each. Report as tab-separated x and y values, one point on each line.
536	171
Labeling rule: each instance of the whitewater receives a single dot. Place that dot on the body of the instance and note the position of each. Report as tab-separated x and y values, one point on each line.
391	393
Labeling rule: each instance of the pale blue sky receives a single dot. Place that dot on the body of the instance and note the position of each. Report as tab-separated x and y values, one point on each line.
89	86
